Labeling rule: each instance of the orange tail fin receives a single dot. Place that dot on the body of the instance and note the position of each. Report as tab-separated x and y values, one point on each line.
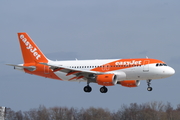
30	51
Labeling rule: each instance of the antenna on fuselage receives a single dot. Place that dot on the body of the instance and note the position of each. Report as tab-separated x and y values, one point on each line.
146	57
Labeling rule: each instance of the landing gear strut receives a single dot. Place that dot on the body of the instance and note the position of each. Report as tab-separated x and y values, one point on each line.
149	87
103	89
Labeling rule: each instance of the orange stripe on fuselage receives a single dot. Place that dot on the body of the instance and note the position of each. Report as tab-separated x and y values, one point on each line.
58	69
125	63
72	78
40	71
76	78
73	72
80	77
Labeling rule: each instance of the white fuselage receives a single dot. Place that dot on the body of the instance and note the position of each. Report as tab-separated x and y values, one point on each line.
138	72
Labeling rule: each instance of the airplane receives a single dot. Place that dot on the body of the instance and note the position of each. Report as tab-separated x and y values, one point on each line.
104	72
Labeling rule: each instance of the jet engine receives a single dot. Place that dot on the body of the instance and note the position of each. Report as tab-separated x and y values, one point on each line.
130	83
106	79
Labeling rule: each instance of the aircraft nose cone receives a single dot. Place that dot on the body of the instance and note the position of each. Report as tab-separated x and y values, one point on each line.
170	71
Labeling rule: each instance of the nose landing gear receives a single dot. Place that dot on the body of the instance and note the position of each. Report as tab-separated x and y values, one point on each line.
149	87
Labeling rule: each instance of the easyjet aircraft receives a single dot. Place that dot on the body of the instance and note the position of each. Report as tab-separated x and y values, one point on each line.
108	72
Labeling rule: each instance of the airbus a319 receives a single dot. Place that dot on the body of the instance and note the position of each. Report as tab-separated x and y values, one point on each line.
106	72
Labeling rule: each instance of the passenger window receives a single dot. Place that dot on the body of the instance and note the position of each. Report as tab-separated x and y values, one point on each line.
157	64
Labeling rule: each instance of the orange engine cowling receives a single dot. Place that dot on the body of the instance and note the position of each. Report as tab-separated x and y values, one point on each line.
130	83
106	79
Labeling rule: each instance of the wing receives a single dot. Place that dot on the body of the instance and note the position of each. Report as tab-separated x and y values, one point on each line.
70	71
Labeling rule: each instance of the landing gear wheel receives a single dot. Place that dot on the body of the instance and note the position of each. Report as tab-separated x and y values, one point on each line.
149	88
87	88
103	89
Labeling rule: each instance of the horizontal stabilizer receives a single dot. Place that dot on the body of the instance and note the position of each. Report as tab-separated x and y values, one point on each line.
31	68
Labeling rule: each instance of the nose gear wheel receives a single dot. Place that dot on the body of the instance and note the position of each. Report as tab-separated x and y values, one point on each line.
149	87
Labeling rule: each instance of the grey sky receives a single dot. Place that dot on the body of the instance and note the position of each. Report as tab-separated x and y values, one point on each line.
68	29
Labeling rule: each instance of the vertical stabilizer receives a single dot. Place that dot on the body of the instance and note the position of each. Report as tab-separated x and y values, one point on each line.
30	51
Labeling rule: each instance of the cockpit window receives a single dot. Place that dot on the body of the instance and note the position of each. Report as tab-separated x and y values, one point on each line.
161	64
164	65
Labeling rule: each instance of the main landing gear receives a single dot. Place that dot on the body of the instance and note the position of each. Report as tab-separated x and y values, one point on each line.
103	89
149	83
89	89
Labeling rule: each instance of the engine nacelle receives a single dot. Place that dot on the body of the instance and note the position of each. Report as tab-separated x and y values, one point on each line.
106	79
130	83
120	76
